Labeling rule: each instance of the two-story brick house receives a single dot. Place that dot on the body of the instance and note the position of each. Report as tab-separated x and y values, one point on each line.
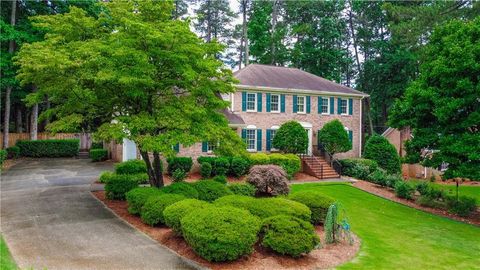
268	96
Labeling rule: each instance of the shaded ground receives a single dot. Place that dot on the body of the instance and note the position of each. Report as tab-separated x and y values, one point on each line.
50	220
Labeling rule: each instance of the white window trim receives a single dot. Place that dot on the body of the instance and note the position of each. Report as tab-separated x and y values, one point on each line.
255	143
255	102
346	107
208	148
279	103
328	105
304	105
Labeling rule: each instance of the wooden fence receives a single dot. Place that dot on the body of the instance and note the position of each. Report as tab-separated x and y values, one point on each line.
85	138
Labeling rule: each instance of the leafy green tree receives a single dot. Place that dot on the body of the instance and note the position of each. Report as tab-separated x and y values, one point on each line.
334	137
442	106
267	33
291	137
133	72
378	148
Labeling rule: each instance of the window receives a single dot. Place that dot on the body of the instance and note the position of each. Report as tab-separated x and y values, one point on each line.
343	106
251	139
301	104
211	147
275	103
325	105
272	135
251	102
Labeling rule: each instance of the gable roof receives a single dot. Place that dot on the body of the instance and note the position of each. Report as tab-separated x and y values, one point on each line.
257	75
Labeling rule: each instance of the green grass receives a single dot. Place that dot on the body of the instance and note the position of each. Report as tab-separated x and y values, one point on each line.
395	236
6	260
470	191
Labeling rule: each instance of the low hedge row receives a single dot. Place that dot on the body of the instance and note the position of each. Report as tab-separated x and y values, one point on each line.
13	151
245	189
137	197
358	168
182	163
131	167
212	166
118	185
98	154
49	148
289	162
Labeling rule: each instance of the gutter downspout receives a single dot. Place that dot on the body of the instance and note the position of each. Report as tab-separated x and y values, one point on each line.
361	128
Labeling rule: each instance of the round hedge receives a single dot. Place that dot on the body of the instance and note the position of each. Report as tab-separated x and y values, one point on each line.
267	207
220	233
175	212
181	188
137	197
242	189
316	201
378	148
131	167
117	185
152	210
209	190
289	235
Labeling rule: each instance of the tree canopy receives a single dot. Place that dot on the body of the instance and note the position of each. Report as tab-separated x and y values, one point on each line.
442	106
133	72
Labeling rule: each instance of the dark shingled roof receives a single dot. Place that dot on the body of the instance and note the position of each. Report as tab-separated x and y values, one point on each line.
288	78
233	119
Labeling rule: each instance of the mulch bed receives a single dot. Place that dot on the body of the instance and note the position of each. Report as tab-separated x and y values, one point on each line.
327	257
389	194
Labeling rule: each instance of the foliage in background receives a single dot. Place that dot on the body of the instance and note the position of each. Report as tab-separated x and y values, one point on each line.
334	137
183	163
442	106
378	148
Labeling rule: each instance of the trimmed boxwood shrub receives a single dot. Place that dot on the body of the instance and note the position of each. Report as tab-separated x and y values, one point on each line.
104	176
222	166
49	148
152	210
289	235
209	190
206	170
131	167
291	137
239	166
13	152
220	234
98	154
3	156
179	175
316	201
259	159
207	159
358	168
182	188
137	197
183	163
383	152
404	190
291	163
174	213
117	185
245	189
222	179
267	207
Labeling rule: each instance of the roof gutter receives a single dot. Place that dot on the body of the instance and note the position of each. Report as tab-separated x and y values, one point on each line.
294	90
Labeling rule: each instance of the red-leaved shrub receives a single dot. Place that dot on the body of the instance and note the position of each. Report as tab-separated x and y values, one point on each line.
269	180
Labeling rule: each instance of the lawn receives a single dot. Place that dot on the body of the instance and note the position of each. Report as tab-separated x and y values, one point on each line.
470	191
6	261
399	237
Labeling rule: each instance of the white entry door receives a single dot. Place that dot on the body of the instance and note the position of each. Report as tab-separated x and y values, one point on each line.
129	150
309	133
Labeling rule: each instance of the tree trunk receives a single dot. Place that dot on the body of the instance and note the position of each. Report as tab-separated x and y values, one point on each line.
34	120
274	25
47	107
367	108
154	170
245	32
354	38
11	48
18	122
209	22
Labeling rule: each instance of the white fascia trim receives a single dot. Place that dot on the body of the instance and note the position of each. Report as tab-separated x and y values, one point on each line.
293	90
237	125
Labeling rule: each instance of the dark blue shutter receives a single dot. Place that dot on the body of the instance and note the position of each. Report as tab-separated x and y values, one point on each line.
244	101
282	103
204	147
332	105
350	135
176	147
339	105
294	103
259	140
318	139
350	106
268	140
308	104
259	102
267	109
244	134
319	104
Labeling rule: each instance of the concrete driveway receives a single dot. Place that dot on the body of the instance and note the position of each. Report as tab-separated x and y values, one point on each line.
50	220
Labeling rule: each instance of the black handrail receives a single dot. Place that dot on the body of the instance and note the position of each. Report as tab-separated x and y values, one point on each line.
334	163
